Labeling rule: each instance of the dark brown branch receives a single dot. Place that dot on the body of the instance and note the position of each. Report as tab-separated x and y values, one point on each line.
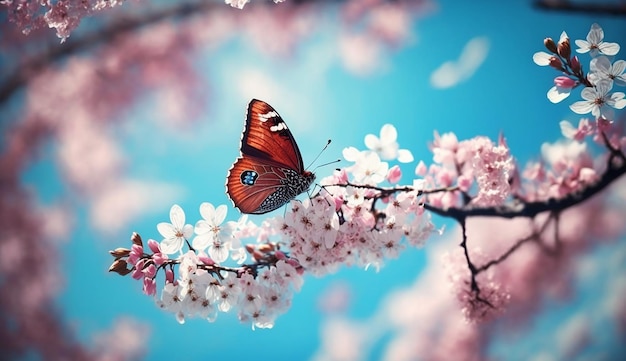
585	8
20	76
531	209
534	235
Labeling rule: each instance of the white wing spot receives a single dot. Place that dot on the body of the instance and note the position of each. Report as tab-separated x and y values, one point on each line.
278	127
264	117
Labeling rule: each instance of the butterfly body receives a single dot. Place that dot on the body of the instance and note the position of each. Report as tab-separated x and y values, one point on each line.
269	172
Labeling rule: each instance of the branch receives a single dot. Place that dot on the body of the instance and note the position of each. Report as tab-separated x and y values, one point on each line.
19	76
585	8
531	209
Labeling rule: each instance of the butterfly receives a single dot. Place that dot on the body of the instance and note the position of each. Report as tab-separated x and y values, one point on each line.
269	172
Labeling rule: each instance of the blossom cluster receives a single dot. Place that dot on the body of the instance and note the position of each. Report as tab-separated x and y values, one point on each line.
239	4
567	166
598	83
462	166
352	220
63	15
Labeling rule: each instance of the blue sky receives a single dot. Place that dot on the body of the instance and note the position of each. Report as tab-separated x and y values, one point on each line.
319	100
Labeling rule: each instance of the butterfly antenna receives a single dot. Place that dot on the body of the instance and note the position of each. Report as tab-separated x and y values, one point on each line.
325	164
320	153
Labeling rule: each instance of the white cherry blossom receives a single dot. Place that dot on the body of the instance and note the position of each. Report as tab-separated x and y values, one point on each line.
597	100
174	233
601	68
387	146
595	43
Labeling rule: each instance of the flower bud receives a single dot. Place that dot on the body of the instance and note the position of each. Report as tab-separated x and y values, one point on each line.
556	63
338	202
564	82
394	174
280	255
159	258
293	262
120	267
549	44
150	271
250	248
575	65
266	247
206	259
169	276
564	48
154	246
257	255
136	239
120	252
149	286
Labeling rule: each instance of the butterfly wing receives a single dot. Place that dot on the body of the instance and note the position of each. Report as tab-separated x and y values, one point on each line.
269	172
266	137
249	183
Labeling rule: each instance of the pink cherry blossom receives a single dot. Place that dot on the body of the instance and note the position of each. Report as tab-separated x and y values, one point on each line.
584	129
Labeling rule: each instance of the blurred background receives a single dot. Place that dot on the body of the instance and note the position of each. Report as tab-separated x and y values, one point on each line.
143	105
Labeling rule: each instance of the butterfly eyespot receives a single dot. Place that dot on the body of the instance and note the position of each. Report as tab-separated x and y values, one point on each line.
248	177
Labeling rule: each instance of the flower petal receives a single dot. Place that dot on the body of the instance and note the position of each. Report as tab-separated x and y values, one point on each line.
603	87
589	94
618	100
405	156
556	94
583	46
619	66
388	134
351	154
207	210
187	231
220	214
542	58
202	241
567	129
177	216
171	245
582	107
596	34
372	141
202	227
218	254
167	230
609	48
600	63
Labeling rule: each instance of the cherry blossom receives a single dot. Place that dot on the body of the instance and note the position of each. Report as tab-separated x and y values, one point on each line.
239	4
598	98
584	129
595	43
174	233
387	146
210	232
492	167
369	168
601	68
